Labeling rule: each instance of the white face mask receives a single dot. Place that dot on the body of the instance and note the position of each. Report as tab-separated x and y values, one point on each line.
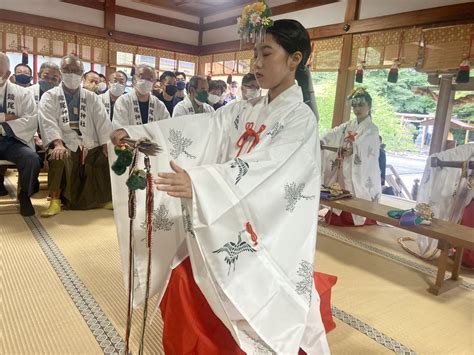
72	81
252	93
116	89
102	87
144	86
213	99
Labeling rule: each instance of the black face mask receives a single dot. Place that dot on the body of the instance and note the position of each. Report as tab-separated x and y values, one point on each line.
171	90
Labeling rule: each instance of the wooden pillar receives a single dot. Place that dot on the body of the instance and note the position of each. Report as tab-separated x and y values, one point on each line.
444	110
345	79
109	25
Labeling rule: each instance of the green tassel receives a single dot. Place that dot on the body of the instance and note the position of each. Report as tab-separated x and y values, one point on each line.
137	180
124	159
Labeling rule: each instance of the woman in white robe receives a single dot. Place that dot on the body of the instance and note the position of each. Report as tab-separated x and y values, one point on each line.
245	216
357	170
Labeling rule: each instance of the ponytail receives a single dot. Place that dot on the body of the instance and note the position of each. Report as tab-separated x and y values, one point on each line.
305	81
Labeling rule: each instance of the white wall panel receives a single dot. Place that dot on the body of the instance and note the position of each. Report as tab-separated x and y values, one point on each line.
375	8
56	9
156	30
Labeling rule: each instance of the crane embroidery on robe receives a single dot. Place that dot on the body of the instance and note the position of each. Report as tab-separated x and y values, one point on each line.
294	193
243	167
233	250
305	285
277	128
188	224
179	143
160	220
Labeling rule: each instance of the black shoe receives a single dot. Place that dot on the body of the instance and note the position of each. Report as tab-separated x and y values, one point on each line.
26	208
3	190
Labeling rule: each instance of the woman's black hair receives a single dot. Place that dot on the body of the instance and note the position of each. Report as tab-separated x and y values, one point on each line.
293	37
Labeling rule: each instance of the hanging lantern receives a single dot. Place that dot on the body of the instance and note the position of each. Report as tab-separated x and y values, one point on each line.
463	71
360	73
393	73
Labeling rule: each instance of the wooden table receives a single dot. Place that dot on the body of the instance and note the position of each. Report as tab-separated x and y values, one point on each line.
449	235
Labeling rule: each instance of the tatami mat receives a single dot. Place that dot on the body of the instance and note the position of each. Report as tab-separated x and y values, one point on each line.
385	300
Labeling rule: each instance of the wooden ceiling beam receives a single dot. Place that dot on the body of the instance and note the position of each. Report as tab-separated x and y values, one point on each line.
109	15
125	11
276	10
93	4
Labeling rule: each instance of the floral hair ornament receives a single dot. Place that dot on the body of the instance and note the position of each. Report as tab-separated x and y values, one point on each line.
359	97
254	22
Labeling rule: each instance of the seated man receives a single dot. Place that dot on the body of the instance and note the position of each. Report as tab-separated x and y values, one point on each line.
355	167
49	76
168	94
250	87
216	93
22	75
117	83
76	130
139	106
18	124
91	81
196	101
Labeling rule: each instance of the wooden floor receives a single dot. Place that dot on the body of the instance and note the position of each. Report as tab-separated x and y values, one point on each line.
62	291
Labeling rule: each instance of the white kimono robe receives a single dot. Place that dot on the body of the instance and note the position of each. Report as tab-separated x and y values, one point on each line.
94	124
360	171
444	191
185	107
20	102
262	290
127	110
35	90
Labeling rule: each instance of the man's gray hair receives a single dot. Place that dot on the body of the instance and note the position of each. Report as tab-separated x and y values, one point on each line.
145	66
73	58
4	59
48	65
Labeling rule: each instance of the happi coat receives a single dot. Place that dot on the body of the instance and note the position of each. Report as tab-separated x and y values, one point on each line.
127	110
445	190
250	228
185	107
94	125
360	172
19	102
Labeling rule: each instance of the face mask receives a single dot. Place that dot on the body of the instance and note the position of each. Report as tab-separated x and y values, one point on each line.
181	85
201	97
171	90
46	85
213	99
144	86
233	91
116	89
102	87
23	79
72	81
252	93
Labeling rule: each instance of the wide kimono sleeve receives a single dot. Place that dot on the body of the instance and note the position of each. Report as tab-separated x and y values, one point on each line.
48	116
180	109
102	124
333	138
254	220
161	112
122	115
25	125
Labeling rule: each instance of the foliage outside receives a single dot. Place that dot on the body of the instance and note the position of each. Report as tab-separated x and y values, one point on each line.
388	99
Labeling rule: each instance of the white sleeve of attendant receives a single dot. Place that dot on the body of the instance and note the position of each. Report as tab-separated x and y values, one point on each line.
162	111
121	114
179	110
103	126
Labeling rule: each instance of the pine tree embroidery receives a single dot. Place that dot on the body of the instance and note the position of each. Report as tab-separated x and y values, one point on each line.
277	128
243	167
234	249
294	193
370	152
305	285
179	143
260	347
160	220
376	198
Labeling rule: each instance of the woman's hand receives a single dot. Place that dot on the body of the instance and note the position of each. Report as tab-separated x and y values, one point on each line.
177	184
117	136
